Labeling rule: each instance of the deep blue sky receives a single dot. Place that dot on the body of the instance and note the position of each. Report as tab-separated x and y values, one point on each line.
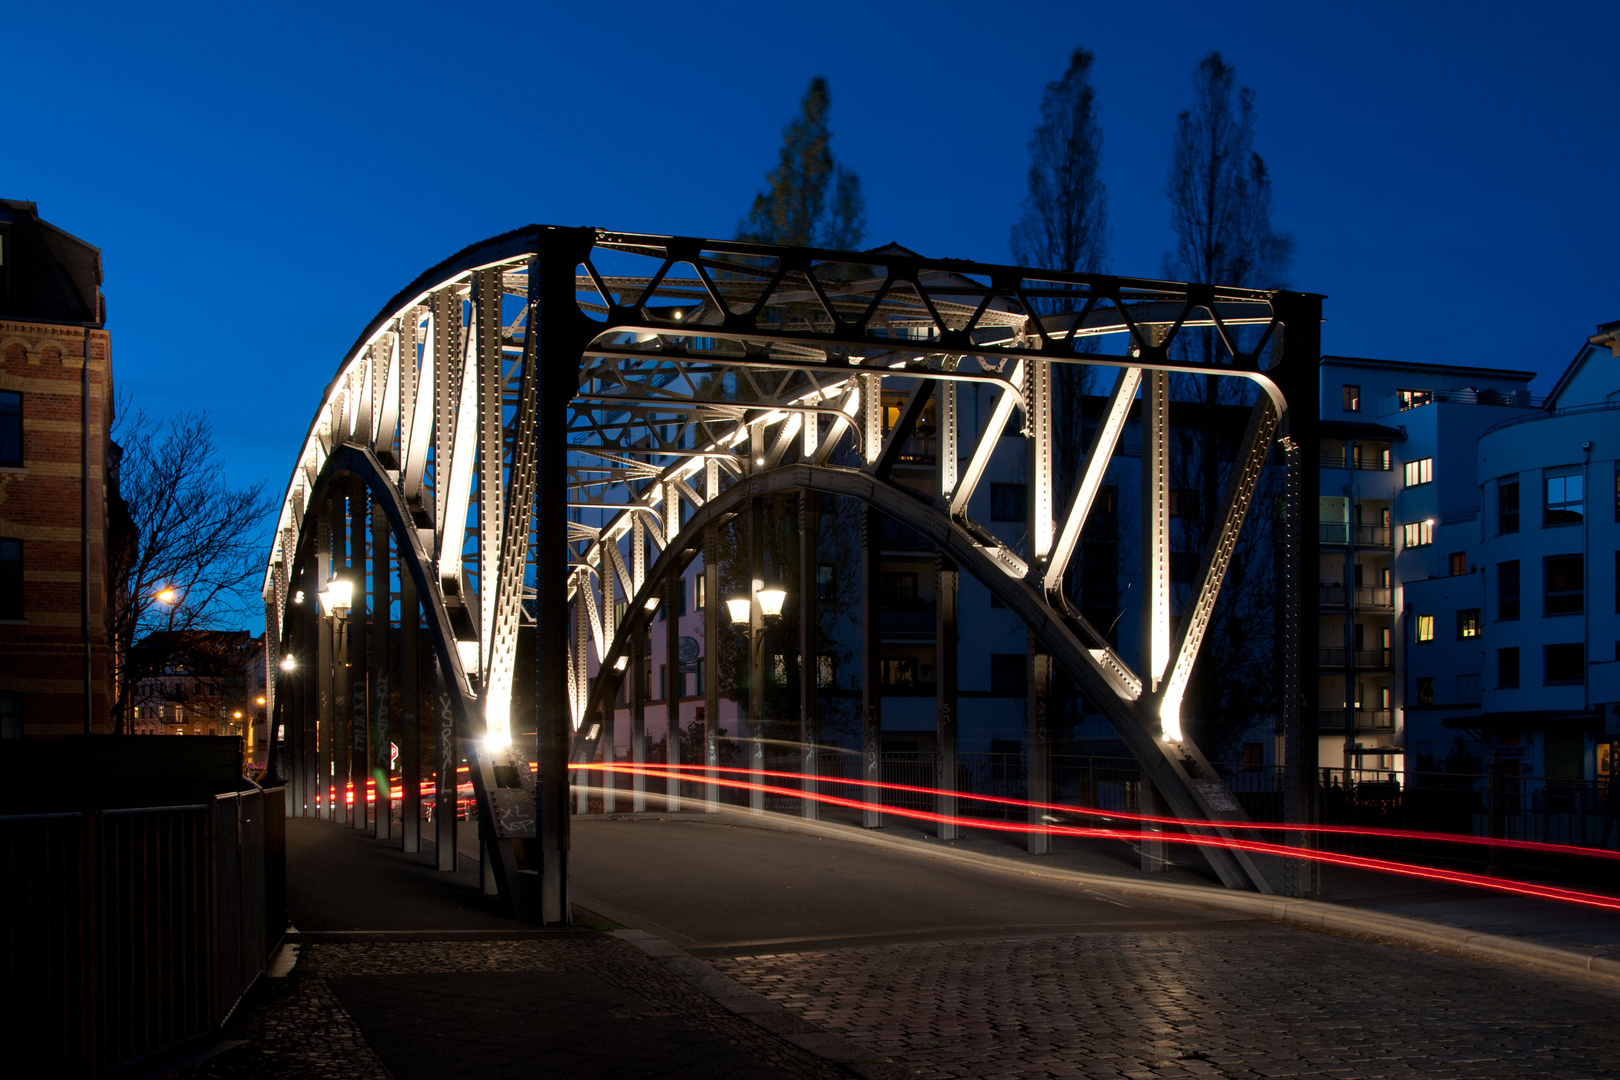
261	179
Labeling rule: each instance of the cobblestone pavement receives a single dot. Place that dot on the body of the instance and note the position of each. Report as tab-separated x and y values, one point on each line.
1213	1004
298	1027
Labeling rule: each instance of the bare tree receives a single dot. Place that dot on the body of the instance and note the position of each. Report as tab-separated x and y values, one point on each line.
812	200
185	550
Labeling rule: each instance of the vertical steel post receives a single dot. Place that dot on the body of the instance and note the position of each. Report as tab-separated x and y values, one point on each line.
945	695
809	657
1294	367
639	661
610	704
1038	760
756	651
581	780
674	586
411	716
1152	849
314	673
382	668
872	666
556	319
711	653
1155	527
359	753
335	777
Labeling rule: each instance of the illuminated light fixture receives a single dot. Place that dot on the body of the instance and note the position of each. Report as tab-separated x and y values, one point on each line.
166	595
498	723
621	663
288	663
740	610
337	596
468	651
237	715
298	597
759	461
259	700
771	598
651	604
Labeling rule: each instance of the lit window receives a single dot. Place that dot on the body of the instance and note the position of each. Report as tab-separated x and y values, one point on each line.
700	585
11	453
1419	533
1565	585
1566	500
1564	665
1420	471
1352	398
826	670
1458	563
1425	627
1468	623
1411	399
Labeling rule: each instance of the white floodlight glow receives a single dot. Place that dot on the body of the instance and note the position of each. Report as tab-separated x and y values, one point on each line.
337	596
1170	717
298	597
468	651
740	609
621	663
771	599
497	723
651	604
288	663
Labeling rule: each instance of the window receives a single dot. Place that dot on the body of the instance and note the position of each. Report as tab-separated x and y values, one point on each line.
10	428
1254	754
1507	590
1008	675
1507	506
1418	533
1566	500
899	591
1411	399
1468	623
900	672
1420	471
826	584
1425	627
1009	502
11	714
1565	585
1507	668
1564	665
1425	690
1458	563
1351	398
700	586
826	670
11	579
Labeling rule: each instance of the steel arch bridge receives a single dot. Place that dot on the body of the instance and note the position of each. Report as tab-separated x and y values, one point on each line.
556	417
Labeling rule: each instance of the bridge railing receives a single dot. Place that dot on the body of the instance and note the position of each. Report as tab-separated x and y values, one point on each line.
131	932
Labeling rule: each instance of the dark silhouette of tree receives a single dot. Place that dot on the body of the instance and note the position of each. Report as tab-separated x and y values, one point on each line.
1220	209
812	200
1064	225
184	552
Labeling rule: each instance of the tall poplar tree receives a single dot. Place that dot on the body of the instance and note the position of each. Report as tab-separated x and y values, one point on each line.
1220	209
812	200
1064	225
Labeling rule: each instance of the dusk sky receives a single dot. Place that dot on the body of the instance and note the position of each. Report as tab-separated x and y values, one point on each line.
261	179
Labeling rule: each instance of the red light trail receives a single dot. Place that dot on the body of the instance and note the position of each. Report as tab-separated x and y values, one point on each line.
1545	892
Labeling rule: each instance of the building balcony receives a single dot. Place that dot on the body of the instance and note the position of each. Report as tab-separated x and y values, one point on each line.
1341	534
1364	659
1332	595
1365	462
1329	721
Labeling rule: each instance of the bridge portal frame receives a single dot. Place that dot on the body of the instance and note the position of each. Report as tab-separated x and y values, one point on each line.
485	440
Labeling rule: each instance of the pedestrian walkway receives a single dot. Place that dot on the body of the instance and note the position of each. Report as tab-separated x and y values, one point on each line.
733	946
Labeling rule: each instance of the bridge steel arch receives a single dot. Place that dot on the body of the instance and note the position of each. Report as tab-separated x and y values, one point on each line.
525	423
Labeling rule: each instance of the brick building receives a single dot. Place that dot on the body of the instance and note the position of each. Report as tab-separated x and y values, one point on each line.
55	412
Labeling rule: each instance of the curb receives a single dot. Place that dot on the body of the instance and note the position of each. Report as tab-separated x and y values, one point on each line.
737	999
1310	914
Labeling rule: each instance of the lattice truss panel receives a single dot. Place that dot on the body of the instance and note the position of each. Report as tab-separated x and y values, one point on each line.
709	372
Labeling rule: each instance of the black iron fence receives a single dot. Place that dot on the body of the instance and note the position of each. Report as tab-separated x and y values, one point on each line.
129	933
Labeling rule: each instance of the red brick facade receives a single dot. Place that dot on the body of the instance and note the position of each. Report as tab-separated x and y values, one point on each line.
47	658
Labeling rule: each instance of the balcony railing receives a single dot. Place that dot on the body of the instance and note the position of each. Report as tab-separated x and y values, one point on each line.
1365	659
1331	720
1331	594
1374	462
1340	534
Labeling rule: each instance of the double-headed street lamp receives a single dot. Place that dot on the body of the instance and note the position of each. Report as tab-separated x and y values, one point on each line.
767	601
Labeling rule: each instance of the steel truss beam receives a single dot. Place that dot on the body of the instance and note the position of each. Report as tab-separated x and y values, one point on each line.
535	412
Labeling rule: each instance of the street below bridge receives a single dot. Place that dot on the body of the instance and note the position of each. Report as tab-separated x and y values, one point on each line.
733	946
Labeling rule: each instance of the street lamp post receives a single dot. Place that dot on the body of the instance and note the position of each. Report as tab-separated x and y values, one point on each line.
762	609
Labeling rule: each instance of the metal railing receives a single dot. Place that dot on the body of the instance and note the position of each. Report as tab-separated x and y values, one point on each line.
1365	463
1340	533
1332	594
131	932
1366	659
